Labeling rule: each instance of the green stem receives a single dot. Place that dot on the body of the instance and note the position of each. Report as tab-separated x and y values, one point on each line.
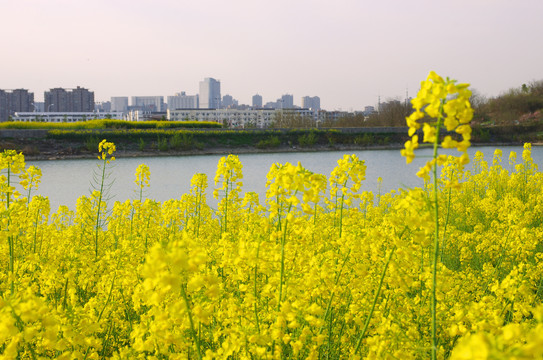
192	330
97	226
35	231
368	319
101	312
341	213
435	255
11	242
446	224
255	289
283	241
338	275
11	263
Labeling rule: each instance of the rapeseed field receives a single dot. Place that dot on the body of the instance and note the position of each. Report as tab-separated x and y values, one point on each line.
319	269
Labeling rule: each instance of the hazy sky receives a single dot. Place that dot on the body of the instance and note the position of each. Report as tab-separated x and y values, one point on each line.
347	52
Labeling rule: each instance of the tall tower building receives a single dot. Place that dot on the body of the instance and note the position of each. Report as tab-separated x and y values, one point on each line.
228	102
210	94
257	101
81	100
56	100
4	108
12	101
286	102
22	101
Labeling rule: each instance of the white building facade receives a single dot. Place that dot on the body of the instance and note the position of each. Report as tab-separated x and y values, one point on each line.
119	103
183	101
233	118
148	103
65	116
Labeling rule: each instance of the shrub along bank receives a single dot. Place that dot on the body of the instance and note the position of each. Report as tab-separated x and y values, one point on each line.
82	141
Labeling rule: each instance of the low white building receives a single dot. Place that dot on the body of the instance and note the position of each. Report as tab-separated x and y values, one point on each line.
183	101
64	116
234	118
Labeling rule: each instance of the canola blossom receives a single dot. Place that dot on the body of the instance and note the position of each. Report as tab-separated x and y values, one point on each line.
319	269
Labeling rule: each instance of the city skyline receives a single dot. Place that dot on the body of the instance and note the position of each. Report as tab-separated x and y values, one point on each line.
348	53
208	87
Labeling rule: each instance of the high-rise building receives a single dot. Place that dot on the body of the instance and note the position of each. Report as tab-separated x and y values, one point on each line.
286	102
257	101
148	103
19	100
56	100
119	104
210	94
81	100
311	102
71	100
183	101
228	102
4	108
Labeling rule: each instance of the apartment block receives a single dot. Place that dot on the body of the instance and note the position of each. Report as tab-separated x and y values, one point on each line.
12	101
82	100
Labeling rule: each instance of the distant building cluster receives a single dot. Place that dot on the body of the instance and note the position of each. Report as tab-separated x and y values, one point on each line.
69	100
68	105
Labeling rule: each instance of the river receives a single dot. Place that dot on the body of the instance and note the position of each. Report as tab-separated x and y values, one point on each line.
63	181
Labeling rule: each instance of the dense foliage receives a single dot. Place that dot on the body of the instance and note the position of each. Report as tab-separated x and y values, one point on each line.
209	138
308	272
110	124
517	106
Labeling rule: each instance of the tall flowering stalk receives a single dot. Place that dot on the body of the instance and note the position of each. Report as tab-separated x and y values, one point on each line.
348	168
229	174
143	176
285	182
198	191
439	102
106	150
10	163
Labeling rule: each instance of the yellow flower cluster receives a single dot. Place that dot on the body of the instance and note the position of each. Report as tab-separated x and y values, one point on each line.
143	175
440	102
282	281
106	148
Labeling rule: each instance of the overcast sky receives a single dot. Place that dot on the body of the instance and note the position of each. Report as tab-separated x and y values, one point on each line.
347	52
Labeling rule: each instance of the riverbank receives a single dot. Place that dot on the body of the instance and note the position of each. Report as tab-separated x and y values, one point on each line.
76	145
66	155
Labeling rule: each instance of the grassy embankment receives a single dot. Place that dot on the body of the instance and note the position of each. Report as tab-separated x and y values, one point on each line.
163	136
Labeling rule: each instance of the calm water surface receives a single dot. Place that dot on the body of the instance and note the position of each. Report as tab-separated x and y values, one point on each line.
63	181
